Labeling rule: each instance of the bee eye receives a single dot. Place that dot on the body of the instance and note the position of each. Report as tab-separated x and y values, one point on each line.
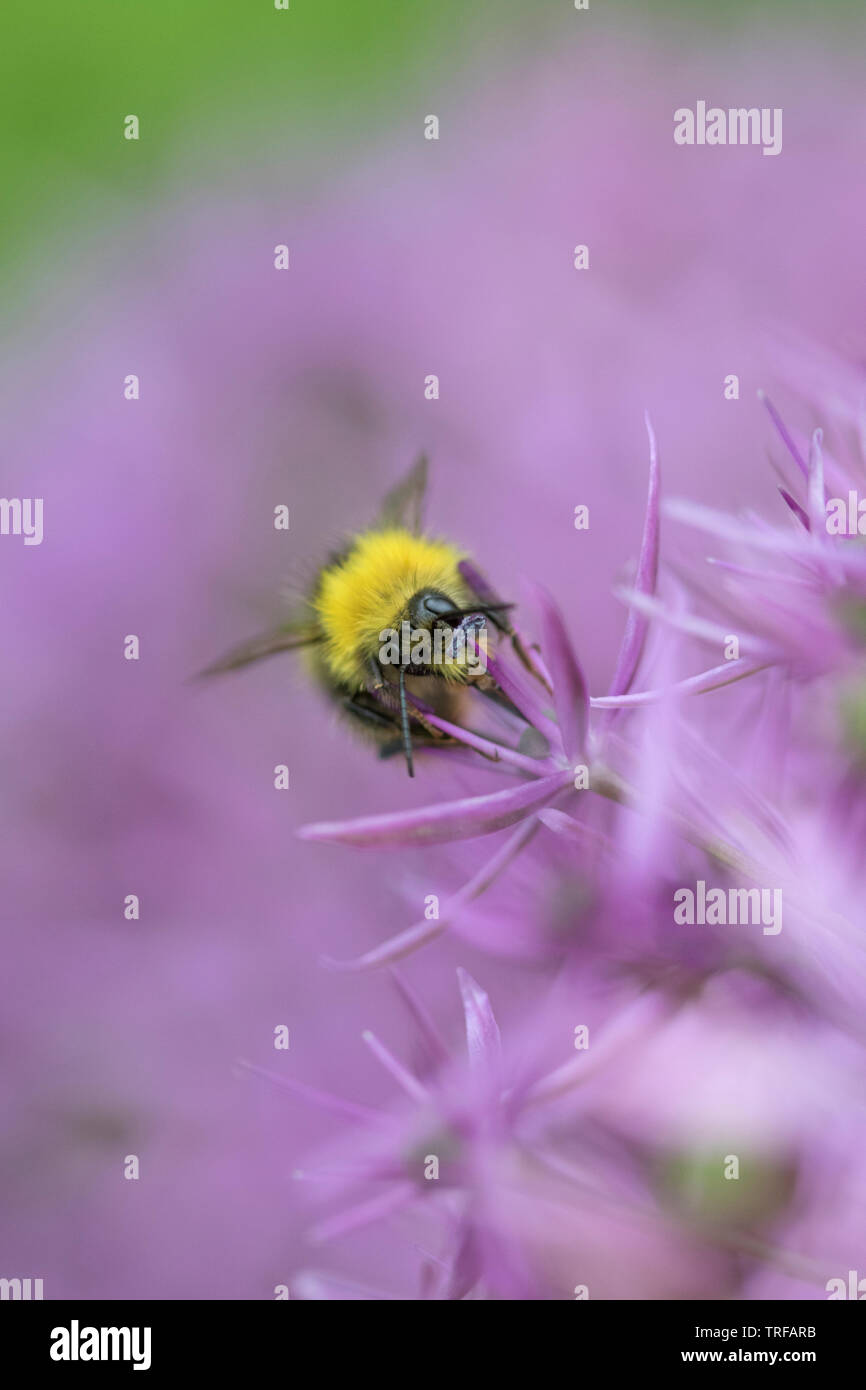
428	605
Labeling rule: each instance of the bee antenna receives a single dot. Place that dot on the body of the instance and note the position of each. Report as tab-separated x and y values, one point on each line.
404	725
486	608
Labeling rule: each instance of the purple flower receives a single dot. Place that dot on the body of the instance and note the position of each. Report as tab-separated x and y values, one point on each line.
794	595
553	702
480	1142
555	707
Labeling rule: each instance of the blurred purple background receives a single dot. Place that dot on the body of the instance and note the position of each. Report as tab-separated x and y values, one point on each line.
306	388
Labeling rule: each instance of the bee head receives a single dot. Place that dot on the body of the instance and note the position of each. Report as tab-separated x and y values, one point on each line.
428	607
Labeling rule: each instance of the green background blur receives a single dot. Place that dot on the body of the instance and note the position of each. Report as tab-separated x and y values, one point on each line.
206	75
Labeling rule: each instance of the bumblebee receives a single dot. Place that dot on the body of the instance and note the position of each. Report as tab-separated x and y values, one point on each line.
392	581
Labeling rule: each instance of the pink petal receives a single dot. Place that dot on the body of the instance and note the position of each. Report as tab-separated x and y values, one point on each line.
449	820
482	1031
645	581
713	679
410	1084
526	695
693	626
817	496
424	1023
421	932
497	751
784	434
795	508
570	697
732	528
323	1100
383	1204
563	824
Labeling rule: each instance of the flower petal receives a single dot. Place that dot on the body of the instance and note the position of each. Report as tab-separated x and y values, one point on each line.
784	434
713	679
497	752
570	696
529	658
693	626
645	580
482	1031
561	823
795	508
731	528
527	696
374	1209
337	1105
817	496
421	932
312	1286
449	820
423	1022
410	1084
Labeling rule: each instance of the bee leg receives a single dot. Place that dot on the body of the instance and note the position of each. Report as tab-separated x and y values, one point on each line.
379	717
395	745
405	729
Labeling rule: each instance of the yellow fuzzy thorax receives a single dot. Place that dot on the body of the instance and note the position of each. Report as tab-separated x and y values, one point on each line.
368	590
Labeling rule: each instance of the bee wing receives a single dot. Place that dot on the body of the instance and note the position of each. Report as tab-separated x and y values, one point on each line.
298	632
404	504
